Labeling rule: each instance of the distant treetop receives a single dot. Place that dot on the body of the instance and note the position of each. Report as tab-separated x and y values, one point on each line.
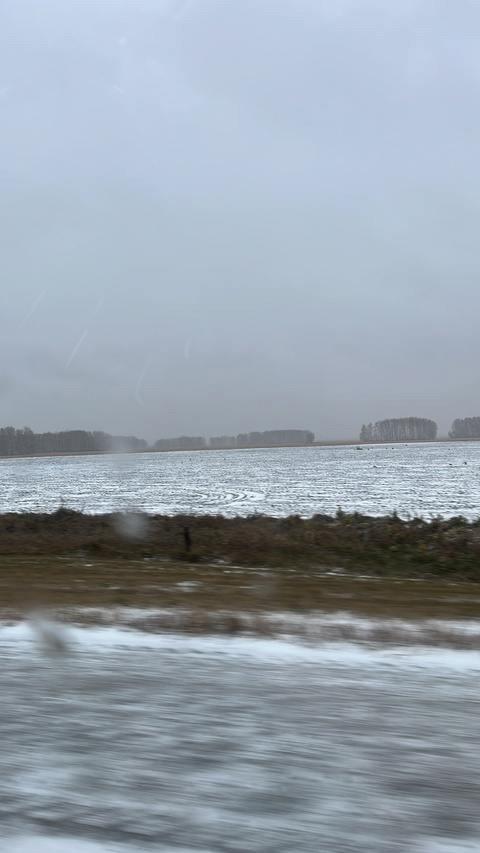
465	428
400	429
24	442
269	438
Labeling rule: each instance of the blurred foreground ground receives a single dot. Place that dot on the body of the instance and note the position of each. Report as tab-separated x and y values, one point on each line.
129	741
214	709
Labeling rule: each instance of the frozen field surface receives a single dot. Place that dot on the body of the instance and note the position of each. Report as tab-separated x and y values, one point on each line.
414	479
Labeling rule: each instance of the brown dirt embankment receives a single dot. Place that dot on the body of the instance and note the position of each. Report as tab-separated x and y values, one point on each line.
382	546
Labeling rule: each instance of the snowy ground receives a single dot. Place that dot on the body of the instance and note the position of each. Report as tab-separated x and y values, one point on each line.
134	742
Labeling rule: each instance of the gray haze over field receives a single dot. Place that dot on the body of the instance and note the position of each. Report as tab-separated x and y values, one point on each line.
225	215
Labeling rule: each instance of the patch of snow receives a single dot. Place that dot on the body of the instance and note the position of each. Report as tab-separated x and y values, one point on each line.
44	844
35	844
285	650
449	846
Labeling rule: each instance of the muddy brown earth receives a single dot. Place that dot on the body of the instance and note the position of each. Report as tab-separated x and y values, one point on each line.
315	604
74	581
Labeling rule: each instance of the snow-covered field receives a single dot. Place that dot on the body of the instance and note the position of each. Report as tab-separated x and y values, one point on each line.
415	479
134	742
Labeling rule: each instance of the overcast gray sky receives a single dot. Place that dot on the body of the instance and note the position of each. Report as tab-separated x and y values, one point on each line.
223	215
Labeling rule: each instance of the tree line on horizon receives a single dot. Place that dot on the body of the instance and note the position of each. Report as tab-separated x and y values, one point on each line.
465	428
24	442
268	438
417	429
400	429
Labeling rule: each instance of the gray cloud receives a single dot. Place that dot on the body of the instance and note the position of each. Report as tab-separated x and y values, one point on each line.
227	216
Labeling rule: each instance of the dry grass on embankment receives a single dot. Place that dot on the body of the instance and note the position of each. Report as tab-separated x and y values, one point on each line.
382	546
